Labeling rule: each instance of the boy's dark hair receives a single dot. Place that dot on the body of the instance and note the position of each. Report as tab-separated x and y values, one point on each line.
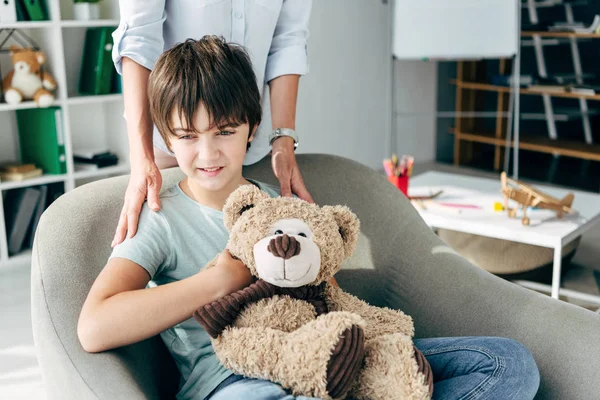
210	72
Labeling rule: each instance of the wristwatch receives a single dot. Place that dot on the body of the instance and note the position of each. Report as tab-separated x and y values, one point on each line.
281	132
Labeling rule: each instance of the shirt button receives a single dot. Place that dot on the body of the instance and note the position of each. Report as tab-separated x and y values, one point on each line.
238	15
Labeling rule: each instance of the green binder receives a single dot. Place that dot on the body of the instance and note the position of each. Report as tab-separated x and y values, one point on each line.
21	12
97	68
36	9
41	139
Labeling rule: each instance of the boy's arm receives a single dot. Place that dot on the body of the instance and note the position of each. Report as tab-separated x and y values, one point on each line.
120	311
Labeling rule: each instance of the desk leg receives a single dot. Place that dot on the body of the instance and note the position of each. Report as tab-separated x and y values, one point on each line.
556	271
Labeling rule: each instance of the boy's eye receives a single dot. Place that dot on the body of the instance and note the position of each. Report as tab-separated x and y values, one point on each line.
226	133
185	137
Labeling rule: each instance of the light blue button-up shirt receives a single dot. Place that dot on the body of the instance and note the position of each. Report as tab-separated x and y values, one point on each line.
274	32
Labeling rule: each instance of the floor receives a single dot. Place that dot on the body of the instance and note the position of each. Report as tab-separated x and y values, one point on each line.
20	376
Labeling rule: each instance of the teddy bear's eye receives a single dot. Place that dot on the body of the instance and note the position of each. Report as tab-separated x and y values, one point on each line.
302	234
279	232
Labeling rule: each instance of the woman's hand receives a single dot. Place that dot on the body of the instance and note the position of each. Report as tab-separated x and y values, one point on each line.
145	181
286	169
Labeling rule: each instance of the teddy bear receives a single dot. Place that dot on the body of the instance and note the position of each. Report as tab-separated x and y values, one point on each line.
28	80
292	326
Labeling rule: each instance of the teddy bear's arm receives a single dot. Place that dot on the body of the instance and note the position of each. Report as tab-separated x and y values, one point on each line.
218	315
380	321
48	81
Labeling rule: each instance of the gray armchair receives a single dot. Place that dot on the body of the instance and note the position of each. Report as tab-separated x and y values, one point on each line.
399	263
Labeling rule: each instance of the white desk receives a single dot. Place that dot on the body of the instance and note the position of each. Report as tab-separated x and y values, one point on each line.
544	230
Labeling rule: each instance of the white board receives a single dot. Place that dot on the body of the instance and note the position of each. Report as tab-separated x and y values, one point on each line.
455	29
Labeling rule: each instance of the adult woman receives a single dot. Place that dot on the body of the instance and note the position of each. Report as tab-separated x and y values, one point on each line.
274	32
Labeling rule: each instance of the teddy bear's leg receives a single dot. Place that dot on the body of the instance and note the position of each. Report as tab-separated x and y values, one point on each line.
321	359
43	98
13	96
390	371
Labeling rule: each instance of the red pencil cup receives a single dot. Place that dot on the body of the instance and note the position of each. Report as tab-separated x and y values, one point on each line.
401	182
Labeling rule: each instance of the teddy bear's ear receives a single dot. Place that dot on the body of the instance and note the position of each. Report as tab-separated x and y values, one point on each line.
41	58
241	200
348	226
14	49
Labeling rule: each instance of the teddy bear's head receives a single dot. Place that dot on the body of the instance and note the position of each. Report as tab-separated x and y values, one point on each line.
26	60
288	242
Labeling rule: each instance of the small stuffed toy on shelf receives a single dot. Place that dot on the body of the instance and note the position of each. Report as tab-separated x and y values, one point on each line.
295	328
28	80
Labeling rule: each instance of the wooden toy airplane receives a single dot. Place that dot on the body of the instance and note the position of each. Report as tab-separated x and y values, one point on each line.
527	196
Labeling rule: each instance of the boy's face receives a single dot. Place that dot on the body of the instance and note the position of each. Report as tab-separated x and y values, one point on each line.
212	157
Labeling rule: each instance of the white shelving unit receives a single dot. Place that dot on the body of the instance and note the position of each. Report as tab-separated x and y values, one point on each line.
88	121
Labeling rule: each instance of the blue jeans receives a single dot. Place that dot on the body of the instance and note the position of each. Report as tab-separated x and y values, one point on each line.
463	368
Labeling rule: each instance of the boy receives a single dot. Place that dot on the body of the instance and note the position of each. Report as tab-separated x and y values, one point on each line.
205	102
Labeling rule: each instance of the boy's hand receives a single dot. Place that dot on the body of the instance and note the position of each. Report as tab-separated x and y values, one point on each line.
236	275
145	180
286	169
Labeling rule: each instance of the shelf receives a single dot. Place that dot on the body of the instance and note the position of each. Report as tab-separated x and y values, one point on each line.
540	145
65	24
561	34
505	89
116	169
89	24
94	99
550	42
40	180
553	3
23	106
560	115
94	121
71	101
27	24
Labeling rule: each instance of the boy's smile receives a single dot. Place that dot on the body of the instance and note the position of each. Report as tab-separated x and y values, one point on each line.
211	157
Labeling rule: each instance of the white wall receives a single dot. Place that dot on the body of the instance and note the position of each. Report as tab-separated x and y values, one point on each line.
416	92
345	102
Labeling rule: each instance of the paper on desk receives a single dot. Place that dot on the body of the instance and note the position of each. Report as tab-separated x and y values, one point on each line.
471	204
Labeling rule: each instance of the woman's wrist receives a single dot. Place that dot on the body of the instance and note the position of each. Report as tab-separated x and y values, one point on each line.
284	143
141	148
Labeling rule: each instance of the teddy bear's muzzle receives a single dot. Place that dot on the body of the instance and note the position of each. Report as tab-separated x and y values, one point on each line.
284	246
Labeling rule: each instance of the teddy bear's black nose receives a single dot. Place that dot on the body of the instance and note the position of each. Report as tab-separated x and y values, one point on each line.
284	246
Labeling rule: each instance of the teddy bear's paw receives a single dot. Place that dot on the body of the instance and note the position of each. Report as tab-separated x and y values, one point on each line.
345	362
49	84
13	96
44	100
391	370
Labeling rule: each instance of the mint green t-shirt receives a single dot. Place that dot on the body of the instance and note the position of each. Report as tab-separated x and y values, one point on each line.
173	244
